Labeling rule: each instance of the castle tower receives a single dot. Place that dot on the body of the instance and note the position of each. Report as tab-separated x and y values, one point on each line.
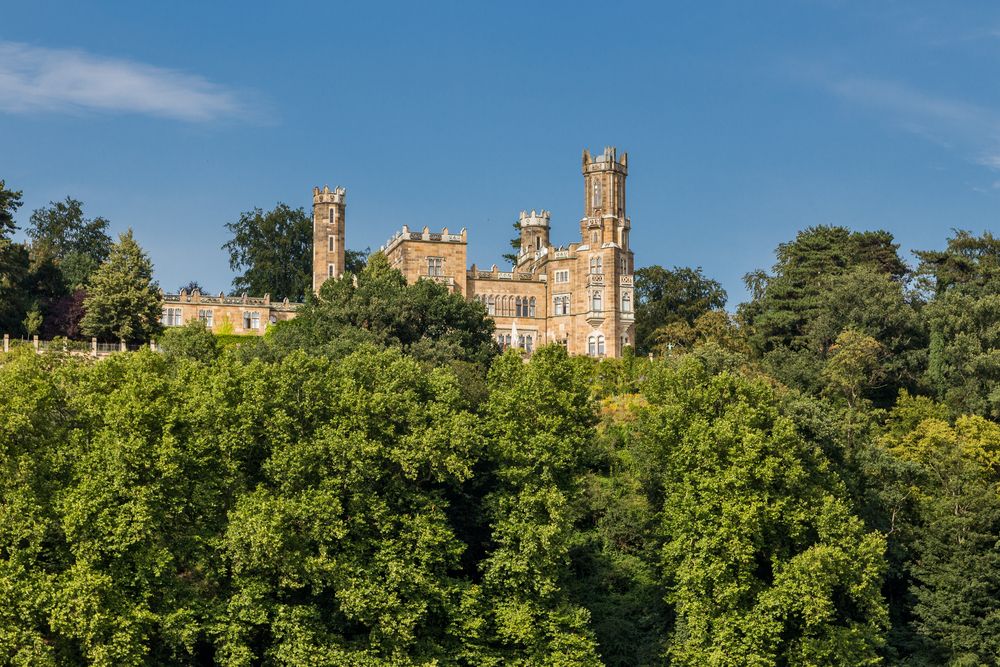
534	232
605	252
604	199
328	234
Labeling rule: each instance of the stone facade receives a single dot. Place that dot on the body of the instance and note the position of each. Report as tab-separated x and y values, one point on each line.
579	295
222	314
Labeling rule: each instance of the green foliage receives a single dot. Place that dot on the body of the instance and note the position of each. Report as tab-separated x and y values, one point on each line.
192	341
123	301
10	201
273	252
665	296
515	245
77	245
762	559
379	308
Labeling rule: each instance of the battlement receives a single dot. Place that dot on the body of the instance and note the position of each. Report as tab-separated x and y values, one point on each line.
197	297
494	273
423	235
534	219
607	161
328	196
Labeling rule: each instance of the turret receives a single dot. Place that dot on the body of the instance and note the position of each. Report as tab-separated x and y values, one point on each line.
534	231
604	218
329	207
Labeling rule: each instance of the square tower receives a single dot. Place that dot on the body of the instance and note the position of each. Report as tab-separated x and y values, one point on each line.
328	234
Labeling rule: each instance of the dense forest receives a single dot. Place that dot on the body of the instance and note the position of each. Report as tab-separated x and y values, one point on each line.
810	478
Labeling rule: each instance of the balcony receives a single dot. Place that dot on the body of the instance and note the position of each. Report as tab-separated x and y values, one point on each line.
595	279
595	317
626	280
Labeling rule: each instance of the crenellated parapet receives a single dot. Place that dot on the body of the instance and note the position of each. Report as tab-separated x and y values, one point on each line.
406	234
327	196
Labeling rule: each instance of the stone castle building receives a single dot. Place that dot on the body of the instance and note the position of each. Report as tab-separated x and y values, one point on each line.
578	295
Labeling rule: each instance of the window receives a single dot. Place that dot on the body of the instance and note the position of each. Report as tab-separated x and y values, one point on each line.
528	343
330	243
560	304
600	346
592	346
520	341
172	317
597	265
251	320
331	270
205	315
562	276
593	238
333	215
624	265
531	307
518	312
491	305
626	302
597	194
597	301
435	266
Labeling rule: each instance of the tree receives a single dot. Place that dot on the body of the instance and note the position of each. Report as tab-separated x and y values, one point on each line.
963	368
10	201
953	536
515	244
77	245
355	260
785	303
762	559
123	301
665	296
273	250
191	341
379	308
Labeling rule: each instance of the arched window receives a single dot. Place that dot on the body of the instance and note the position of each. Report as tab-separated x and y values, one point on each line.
624	265
491	305
596	301
531	307
520	341
333	215
600	346
626	302
517	303
592	346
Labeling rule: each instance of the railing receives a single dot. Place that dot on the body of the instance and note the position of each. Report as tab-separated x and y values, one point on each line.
91	348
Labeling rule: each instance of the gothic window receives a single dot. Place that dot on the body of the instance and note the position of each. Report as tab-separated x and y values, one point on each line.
592	346
331	269
600	346
626	302
560	304
330	243
597	194
435	266
597	265
531	307
521	307
596	301
491	305
333	215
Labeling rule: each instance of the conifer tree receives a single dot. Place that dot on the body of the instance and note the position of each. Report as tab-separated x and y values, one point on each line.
123	300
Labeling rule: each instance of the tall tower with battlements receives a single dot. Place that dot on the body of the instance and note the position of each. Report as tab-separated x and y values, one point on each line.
328	234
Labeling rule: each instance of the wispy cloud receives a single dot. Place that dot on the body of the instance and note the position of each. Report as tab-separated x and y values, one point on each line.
968	128
36	79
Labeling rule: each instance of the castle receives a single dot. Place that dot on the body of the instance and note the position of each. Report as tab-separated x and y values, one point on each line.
579	296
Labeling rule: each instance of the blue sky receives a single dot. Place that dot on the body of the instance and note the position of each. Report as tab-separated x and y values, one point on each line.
744	122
